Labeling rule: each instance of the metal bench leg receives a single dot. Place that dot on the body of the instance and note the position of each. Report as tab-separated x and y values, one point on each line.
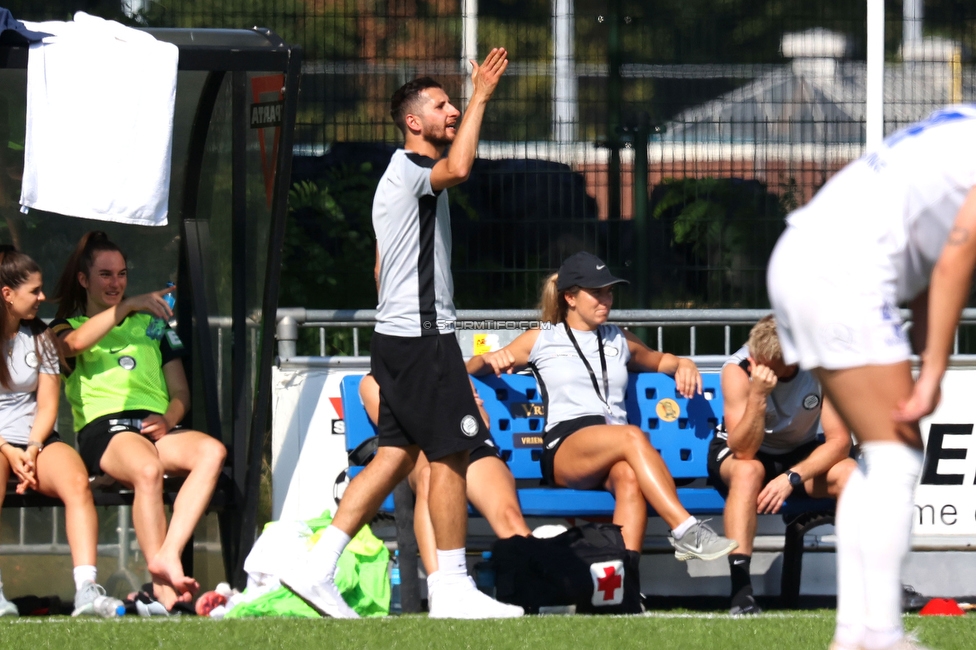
793	554
187	557
403	502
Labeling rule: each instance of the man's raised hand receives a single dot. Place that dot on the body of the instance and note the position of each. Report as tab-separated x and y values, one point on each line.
484	78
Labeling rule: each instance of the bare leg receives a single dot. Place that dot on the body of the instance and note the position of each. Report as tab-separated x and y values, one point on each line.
132	460
865	398
491	489
585	458
201	458
448	500
832	483
422	527
366	492
630	509
745	481
62	474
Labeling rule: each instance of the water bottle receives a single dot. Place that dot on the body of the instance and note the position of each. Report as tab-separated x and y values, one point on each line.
108	607
484	574
396	606
157	326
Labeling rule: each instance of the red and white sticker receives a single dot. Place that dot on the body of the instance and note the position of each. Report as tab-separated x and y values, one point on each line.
608	583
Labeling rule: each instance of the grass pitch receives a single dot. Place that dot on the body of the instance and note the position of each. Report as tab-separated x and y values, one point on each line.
779	630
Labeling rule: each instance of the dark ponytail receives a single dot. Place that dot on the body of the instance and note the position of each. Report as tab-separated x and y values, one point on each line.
72	298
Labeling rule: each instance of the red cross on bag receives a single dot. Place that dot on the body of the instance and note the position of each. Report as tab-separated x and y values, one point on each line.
608	583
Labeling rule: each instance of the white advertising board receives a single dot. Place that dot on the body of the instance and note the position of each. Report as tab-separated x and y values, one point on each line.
945	499
308	445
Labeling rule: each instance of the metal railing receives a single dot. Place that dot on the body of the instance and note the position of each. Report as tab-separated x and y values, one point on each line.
291	319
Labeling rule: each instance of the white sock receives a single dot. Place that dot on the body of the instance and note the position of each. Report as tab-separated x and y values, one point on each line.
850	567
892	470
324	556
683	527
84	573
452	565
432	580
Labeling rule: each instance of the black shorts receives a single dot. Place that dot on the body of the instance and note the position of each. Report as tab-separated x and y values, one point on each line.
51	439
484	451
94	437
774	464
554	438
425	395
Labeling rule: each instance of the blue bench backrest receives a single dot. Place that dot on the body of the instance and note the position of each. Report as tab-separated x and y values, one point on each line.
358	425
517	420
680	429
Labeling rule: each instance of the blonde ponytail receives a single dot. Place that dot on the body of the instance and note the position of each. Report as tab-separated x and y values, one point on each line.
552	301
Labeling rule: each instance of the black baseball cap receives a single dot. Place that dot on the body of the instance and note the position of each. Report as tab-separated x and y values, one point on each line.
12	31
585	270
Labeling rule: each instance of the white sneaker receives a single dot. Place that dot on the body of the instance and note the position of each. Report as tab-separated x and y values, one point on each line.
463	600
322	596
7	608
91	600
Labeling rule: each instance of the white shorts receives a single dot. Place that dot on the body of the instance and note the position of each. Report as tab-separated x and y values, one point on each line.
834	309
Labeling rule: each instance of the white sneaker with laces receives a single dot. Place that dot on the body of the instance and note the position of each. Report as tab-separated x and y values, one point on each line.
462	599
91	600
701	542
323	596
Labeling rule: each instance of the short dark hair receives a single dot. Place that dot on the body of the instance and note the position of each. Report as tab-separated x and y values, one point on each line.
405	98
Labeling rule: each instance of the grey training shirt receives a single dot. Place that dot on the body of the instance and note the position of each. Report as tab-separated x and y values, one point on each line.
792	409
566	385
413	235
18	402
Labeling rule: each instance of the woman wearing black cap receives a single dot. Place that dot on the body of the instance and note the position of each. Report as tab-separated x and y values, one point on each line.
582	365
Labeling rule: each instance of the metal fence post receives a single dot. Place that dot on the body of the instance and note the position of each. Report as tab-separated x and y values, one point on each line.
287	334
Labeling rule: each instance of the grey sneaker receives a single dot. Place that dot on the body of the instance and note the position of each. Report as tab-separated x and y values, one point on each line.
701	542
7	608
91	600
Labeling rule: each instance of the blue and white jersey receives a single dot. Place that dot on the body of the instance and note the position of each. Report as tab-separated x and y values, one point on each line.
889	213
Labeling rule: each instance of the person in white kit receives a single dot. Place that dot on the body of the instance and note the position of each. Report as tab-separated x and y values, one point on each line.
426	402
29	445
768	448
897	226
582	365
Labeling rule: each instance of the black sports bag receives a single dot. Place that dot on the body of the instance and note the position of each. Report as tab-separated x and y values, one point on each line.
586	566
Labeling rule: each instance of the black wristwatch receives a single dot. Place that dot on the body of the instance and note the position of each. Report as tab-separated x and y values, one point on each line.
794	477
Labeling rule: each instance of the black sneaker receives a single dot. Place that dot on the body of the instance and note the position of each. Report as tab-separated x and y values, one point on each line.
911	600
744	604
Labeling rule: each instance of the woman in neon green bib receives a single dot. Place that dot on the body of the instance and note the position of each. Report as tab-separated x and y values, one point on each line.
128	392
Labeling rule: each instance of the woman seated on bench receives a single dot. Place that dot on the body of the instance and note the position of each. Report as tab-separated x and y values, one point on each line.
29	445
491	488
128	392
582	364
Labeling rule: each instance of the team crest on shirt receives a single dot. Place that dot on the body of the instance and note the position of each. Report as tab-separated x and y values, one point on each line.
811	401
127	362
31	360
611	351
469	426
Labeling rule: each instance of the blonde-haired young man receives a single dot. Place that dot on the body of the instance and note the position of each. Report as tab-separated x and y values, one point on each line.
780	437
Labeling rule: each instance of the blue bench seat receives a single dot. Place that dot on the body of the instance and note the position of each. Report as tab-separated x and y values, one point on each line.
679	428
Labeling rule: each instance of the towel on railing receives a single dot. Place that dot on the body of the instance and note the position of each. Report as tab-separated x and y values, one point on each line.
100	100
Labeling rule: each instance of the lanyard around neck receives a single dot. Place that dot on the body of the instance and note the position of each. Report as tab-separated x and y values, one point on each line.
589	368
